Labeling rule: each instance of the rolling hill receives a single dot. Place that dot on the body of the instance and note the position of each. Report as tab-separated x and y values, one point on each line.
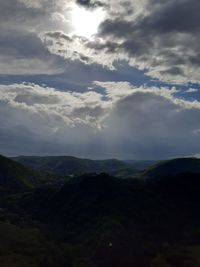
97	220
125	222
140	165
14	176
67	165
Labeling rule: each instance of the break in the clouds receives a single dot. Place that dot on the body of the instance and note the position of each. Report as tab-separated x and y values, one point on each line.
123	77
152	36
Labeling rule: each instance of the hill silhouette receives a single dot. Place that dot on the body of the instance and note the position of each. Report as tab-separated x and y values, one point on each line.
123	222
173	167
14	176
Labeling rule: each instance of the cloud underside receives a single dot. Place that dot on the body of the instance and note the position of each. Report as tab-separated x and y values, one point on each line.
134	122
160	39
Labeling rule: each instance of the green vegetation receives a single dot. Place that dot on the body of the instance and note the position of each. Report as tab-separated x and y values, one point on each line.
15	177
97	220
66	165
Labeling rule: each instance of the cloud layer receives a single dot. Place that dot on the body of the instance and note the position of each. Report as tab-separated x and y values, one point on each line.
104	118
152	36
129	123
156	38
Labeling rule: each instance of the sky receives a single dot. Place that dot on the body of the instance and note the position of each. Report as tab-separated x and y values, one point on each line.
100	79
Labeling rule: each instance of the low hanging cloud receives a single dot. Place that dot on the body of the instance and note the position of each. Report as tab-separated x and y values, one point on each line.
133	123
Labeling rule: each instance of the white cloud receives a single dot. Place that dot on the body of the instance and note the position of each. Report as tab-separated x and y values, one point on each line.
24	66
138	123
116	90
192	90
141	33
154	38
78	48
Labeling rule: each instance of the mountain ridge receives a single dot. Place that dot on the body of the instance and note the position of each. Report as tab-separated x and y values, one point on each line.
67	165
97	220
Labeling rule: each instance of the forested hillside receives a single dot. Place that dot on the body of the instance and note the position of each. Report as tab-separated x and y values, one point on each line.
97	220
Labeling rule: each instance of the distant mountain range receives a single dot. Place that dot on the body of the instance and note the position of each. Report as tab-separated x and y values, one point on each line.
28	171
67	165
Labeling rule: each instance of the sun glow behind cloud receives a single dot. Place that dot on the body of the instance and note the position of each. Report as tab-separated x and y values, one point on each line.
86	22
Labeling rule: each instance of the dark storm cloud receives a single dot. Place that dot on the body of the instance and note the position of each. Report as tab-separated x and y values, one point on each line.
90	3
174	16
173	71
118	28
108	47
151	36
168	16
59	35
166	37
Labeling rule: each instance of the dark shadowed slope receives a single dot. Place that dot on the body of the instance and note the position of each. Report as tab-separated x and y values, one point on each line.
125	222
140	165
174	167
102	221
14	176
